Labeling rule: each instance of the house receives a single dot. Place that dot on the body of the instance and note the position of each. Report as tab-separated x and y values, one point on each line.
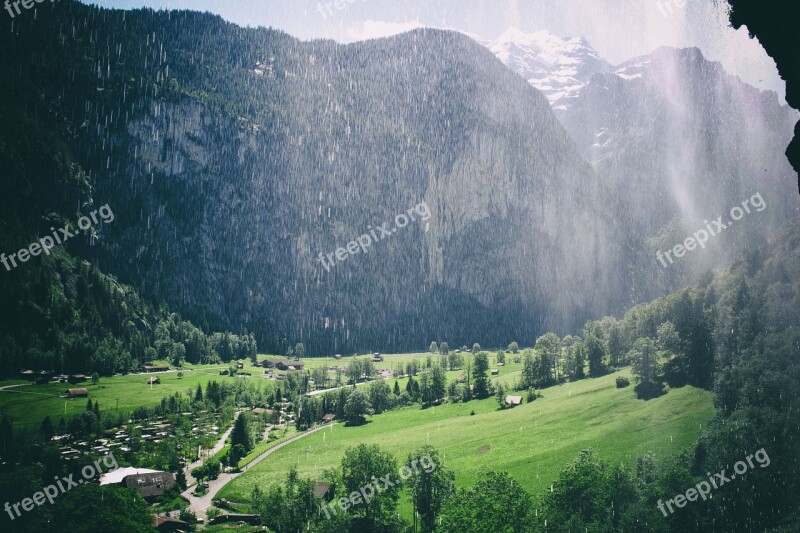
513	400
77	393
501	364
322	490
146	482
284	364
77	378
337	356
328	418
165	523
153	381
239	365
377	358
495	371
223	372
154	368
28	374
262	411
151	484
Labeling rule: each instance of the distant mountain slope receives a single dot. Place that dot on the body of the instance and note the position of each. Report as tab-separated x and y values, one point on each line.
233	157
679	142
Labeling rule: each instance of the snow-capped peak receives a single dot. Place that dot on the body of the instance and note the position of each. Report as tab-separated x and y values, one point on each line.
556	66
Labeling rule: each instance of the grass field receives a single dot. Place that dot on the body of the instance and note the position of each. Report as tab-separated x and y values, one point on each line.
533	441
28	404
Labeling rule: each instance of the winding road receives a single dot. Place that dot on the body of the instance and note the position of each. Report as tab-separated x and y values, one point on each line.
200	504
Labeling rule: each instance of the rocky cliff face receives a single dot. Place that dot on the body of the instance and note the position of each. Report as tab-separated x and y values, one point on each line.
226	217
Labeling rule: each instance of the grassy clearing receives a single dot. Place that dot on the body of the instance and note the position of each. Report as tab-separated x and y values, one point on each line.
29	404
533	441
283	434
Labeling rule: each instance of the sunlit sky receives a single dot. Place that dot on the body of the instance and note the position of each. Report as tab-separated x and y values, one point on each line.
618	29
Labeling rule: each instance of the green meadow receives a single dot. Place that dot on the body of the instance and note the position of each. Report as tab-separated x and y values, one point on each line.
533	442
28	404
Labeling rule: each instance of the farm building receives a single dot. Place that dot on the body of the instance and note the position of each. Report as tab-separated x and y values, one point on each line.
154	368
77	393
283	364
143	480
513	400
153	381
165	523
322	490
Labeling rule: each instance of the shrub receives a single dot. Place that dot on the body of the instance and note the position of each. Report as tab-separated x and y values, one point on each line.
532	395
622	382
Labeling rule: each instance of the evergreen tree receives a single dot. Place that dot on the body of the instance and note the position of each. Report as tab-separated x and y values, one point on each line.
647	368
480	378
438	383
241	437
595	353
46	430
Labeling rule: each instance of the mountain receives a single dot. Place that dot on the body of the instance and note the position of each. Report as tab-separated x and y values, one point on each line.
677	140
558	67
683	142
234	157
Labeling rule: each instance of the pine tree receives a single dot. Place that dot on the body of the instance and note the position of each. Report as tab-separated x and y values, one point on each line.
479	375
240	436
46	429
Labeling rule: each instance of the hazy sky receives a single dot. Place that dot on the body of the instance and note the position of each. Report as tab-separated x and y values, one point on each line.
618	29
